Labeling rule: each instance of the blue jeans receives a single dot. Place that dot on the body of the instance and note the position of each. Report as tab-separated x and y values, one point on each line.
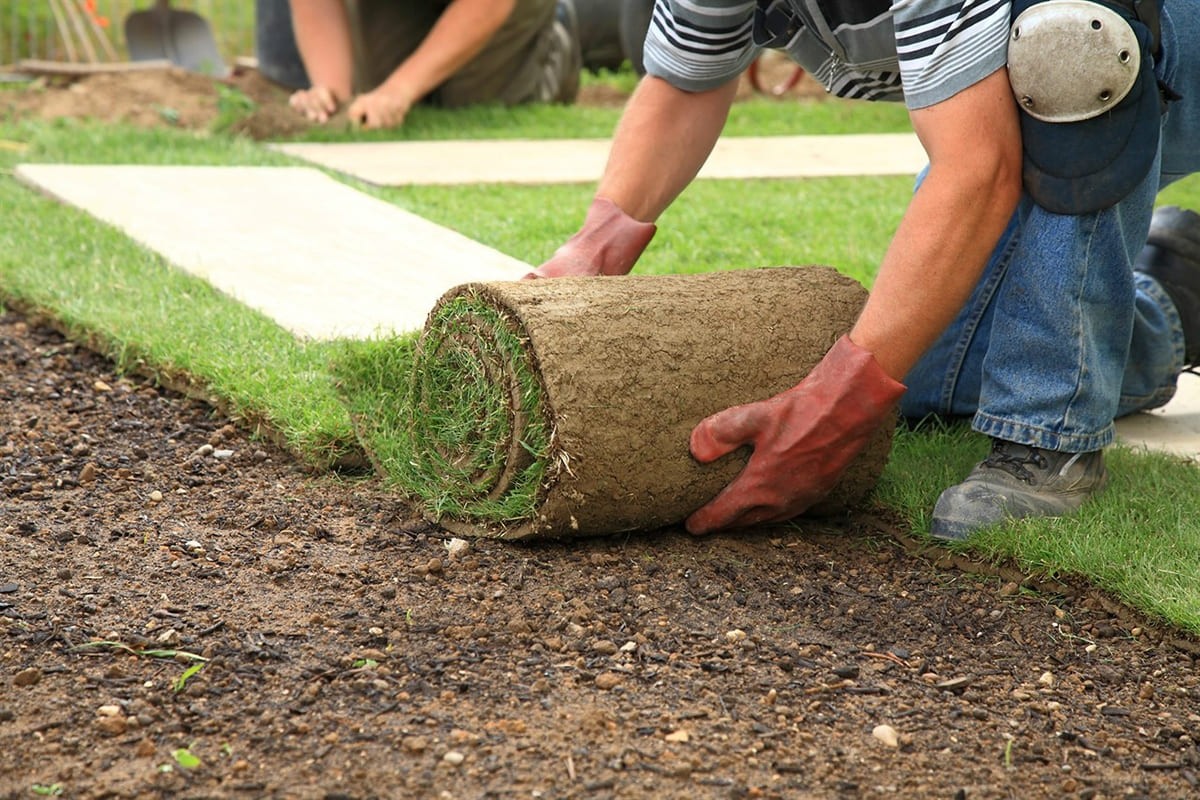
1060	336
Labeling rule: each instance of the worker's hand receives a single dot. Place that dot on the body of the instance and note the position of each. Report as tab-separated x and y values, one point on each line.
803	439
317	104
380	109
609	243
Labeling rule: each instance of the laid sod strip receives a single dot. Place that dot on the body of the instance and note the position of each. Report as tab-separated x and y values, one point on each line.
563	408
102	289
1138	541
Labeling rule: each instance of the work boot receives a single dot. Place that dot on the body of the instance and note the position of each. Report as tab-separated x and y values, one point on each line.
1016	481
1172	257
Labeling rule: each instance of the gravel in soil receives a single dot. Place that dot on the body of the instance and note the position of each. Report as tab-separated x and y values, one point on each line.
351	650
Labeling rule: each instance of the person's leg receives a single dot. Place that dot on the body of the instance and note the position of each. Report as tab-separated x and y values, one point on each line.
535	56
275	45
1042	357
1038	355
950	379
1169	262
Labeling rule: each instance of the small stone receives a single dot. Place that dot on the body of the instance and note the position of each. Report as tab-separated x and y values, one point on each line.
109	711
605	647
456	548
414	744
101	386
608	680
1009	589
735	635
204	450
145	749
222	455
28	677
111	726
680	736
954	684
435	566
886	734
454	758
156	496
88	473
1046	679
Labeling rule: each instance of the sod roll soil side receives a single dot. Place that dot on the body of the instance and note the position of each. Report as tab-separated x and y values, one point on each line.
561	408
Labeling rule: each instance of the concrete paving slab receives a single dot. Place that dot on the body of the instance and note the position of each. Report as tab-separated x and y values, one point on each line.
582	160
1175	428
321	258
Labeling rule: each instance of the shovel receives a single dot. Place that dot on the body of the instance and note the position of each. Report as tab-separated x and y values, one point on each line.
182	37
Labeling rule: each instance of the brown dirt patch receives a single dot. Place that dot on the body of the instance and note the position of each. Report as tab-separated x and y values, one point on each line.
353	655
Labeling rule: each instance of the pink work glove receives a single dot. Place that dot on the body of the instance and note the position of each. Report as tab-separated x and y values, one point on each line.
803	439
609	243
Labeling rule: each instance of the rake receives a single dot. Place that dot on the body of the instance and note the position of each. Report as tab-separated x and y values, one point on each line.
81	29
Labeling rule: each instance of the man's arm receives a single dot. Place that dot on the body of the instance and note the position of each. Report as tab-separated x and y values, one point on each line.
804	438
662	140
953	222
322	31
460	33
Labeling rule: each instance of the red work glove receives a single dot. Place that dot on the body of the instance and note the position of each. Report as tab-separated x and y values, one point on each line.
609	243
803	439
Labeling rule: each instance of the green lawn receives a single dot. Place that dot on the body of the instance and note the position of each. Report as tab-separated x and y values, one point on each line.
1140	541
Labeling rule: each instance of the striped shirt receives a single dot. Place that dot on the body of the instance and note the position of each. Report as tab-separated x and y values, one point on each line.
918	51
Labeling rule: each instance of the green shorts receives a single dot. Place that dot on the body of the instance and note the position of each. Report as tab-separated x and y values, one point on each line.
516	66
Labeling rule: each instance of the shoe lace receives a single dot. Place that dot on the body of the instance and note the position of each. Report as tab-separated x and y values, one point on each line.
1014	461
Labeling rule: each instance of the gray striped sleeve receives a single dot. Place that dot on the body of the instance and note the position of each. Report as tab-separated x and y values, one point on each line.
945	47
699	46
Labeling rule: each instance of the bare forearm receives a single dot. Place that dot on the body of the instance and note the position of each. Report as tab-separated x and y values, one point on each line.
930	269
322	30
461	32
662	141
951	226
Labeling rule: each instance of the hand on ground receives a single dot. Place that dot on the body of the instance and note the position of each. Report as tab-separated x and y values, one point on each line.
317	104
379	109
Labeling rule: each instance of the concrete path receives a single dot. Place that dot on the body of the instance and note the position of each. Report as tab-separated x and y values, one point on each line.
582	160
325	260
1174	428
321	258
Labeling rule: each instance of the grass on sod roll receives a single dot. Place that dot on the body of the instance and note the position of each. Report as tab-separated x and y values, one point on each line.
1140	540
444	432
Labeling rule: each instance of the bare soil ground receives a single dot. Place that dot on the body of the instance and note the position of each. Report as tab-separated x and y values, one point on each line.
353	651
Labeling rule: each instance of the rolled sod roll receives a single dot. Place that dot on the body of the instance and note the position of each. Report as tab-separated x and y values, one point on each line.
561	408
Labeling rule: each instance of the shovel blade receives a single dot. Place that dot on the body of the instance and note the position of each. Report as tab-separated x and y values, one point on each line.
182	37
